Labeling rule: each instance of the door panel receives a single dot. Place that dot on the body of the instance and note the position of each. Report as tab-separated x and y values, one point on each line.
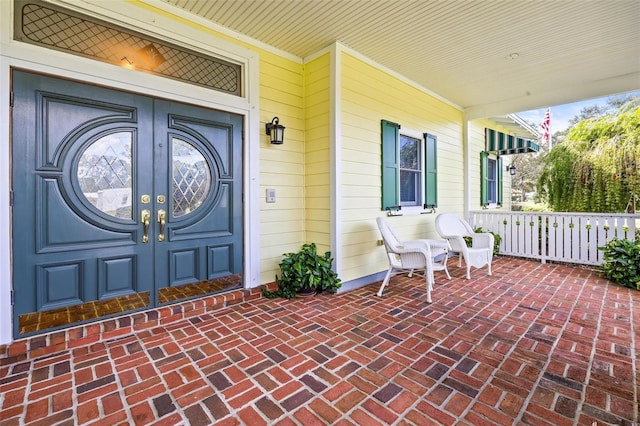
66	251
204	203
89	165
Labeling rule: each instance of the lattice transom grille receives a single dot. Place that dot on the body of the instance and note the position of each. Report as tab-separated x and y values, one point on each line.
56	28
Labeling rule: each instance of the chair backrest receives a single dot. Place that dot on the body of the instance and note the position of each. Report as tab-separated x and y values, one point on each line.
390	239
451	224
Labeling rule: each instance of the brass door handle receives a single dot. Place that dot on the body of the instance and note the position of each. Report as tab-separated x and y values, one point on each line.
145	217
162	220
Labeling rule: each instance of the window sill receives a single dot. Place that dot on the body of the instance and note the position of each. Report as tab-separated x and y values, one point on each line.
409	211
492	206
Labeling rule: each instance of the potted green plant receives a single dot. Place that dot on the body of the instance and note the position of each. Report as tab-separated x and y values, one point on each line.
305	271
622	262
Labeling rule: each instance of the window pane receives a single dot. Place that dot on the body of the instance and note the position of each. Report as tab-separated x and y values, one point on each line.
409	153
410	171
104	173
191	178
492	173
409	188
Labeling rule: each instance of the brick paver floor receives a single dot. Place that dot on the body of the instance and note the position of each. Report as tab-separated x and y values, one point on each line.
539	344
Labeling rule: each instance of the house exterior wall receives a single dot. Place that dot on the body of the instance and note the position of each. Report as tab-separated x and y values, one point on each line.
281	167
327	174
368	96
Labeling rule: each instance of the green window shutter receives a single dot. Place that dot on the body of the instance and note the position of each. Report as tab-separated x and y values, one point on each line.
431	171
500	189
484	177
390	164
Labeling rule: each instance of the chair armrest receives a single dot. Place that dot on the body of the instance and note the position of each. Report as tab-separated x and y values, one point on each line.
482	240
456	242
416	245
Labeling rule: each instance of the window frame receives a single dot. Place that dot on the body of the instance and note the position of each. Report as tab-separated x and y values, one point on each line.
418	173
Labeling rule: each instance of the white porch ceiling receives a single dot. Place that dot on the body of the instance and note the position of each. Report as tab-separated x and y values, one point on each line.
567	50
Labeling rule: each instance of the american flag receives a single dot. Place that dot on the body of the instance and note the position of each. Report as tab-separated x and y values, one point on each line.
545	125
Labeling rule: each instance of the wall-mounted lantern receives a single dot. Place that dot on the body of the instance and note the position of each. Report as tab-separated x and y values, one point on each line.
276	131
512	170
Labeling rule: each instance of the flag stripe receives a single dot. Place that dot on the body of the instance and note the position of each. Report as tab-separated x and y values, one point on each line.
546	124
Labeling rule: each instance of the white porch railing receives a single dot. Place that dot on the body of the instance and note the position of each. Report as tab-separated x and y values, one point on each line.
563	237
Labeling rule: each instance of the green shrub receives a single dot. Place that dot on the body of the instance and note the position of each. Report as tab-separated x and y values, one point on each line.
305	270
622	262
497	239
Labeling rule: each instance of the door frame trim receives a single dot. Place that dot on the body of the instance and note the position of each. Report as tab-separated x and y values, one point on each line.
14	54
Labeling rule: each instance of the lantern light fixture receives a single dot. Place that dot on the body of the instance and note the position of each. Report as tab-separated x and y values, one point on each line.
512	170
276	131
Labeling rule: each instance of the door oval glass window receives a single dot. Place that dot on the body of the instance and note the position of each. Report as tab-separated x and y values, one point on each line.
191	176
104	174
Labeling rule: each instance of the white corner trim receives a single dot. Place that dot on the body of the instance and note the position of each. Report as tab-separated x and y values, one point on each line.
6	311
335	154
466	152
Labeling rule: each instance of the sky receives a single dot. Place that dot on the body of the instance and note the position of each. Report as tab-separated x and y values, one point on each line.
561	114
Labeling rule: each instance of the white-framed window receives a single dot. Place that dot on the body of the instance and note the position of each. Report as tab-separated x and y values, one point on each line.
490	180
409	168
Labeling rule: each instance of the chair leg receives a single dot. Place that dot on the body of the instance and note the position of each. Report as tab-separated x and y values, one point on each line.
385	282
429	288
468	271
446	270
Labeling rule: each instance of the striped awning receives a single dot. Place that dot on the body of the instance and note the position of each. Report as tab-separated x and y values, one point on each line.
504	144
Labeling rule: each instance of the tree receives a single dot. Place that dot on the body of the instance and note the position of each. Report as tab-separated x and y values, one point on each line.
529	167
597	167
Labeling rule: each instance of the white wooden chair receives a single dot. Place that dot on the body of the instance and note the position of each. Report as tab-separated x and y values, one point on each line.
411	256
453	228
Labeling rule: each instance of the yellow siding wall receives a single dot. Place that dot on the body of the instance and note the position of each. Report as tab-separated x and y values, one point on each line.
368	96
317	152
282	167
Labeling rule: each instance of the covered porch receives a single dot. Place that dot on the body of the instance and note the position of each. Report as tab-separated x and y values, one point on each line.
532	344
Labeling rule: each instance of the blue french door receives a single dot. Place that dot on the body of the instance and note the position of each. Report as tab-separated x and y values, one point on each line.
117	194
